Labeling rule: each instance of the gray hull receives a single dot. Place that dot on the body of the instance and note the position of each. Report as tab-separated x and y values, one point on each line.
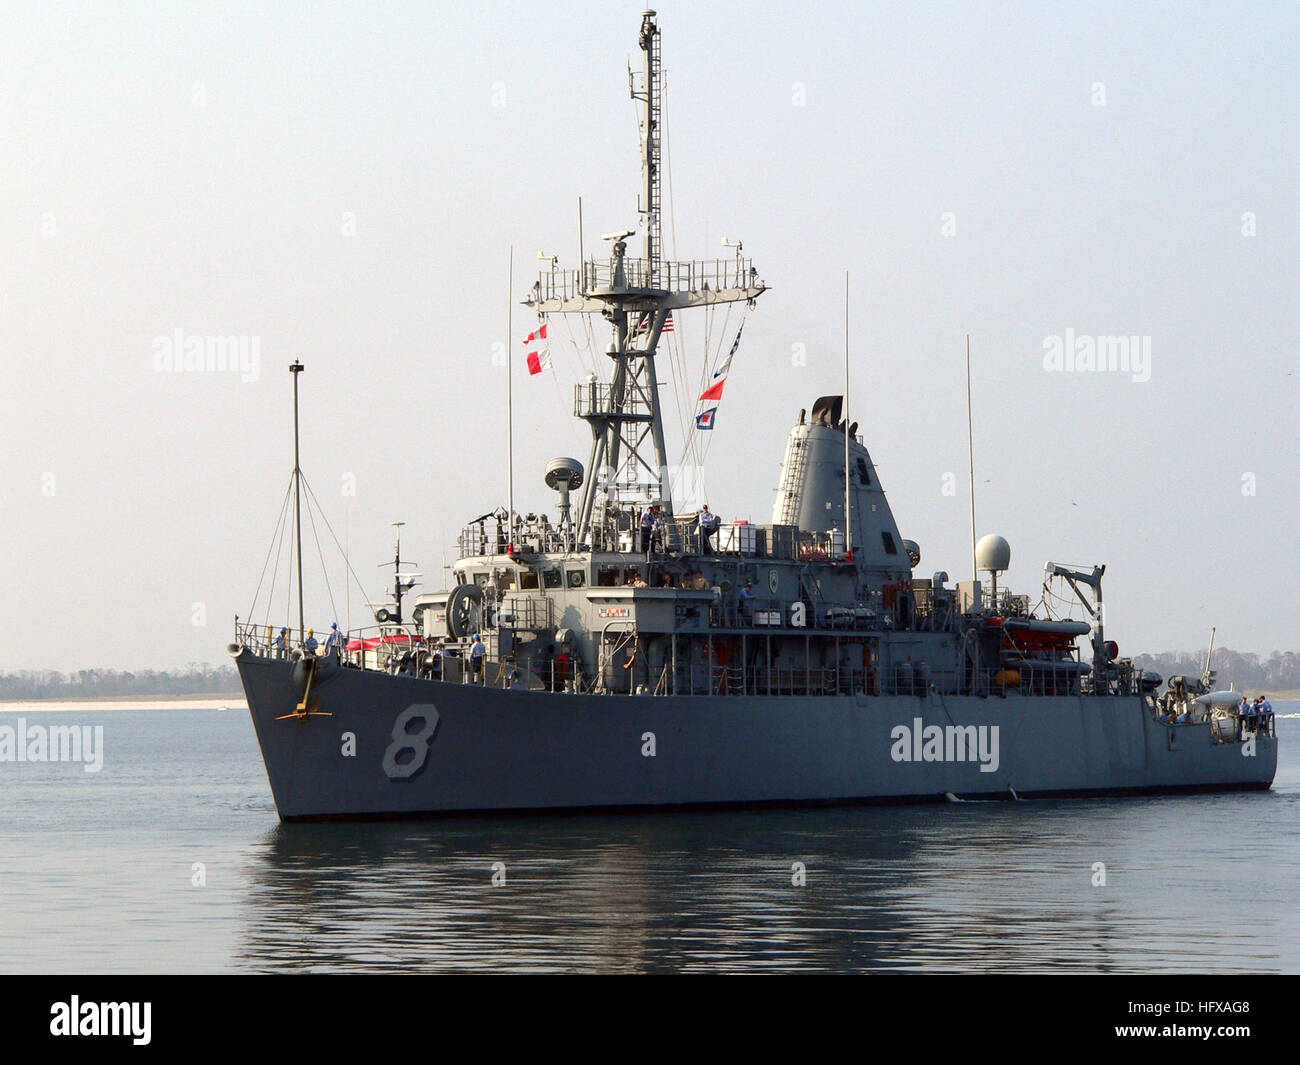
470	749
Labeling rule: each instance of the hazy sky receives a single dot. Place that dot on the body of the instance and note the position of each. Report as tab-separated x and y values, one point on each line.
342	183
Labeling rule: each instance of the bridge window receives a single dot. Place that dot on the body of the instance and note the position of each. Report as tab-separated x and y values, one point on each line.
864	475
890	547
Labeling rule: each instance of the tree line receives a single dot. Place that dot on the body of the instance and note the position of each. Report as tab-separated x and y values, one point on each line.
1279	671
194	678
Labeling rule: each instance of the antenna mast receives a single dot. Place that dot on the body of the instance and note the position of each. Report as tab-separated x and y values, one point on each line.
296	369
652	96
848	490
628	465
970	452
510	400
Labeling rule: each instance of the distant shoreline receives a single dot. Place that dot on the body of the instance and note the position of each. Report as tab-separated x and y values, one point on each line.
205	701
163	698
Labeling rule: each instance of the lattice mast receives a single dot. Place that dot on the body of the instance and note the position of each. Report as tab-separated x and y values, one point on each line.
629	463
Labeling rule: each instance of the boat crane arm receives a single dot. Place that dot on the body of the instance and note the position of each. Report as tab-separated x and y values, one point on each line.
1208	674
1074	578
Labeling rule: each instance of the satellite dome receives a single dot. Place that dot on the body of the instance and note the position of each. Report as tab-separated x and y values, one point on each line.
992	553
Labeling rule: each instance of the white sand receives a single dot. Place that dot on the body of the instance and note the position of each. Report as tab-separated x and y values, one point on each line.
235	702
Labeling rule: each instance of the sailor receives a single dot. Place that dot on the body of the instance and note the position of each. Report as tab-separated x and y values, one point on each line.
311	643
746	597
1261	712
476	653
708	523
334	641
282	643
647	529
657	529
1265	715
435	661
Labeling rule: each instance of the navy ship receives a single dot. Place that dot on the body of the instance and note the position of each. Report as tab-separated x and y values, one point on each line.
638	652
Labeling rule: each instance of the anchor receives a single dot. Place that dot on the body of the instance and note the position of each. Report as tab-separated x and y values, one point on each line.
307	707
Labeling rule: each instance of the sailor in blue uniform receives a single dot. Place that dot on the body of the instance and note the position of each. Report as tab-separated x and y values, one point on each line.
476	653
708	526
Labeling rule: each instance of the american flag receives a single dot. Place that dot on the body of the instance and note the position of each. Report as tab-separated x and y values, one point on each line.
646	319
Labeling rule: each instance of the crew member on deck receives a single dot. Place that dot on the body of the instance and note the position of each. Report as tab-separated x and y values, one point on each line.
708	523
334	641
476	653
1260	714
647	529
282	643
311	643
747	603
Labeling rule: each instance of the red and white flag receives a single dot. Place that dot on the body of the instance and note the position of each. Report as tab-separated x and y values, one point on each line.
540	358
714	391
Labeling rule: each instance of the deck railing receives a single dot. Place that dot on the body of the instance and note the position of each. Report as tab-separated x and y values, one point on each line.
699	275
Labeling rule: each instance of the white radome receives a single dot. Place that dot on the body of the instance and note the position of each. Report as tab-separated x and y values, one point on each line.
993	553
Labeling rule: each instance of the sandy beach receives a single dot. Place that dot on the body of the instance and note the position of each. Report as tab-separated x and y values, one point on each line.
143	702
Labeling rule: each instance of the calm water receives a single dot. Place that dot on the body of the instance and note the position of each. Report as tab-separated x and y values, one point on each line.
96	875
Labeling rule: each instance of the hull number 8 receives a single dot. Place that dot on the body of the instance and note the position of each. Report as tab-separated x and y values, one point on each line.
412	732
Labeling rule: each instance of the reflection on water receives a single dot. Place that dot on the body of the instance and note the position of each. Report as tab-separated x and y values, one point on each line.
975	886
98	874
